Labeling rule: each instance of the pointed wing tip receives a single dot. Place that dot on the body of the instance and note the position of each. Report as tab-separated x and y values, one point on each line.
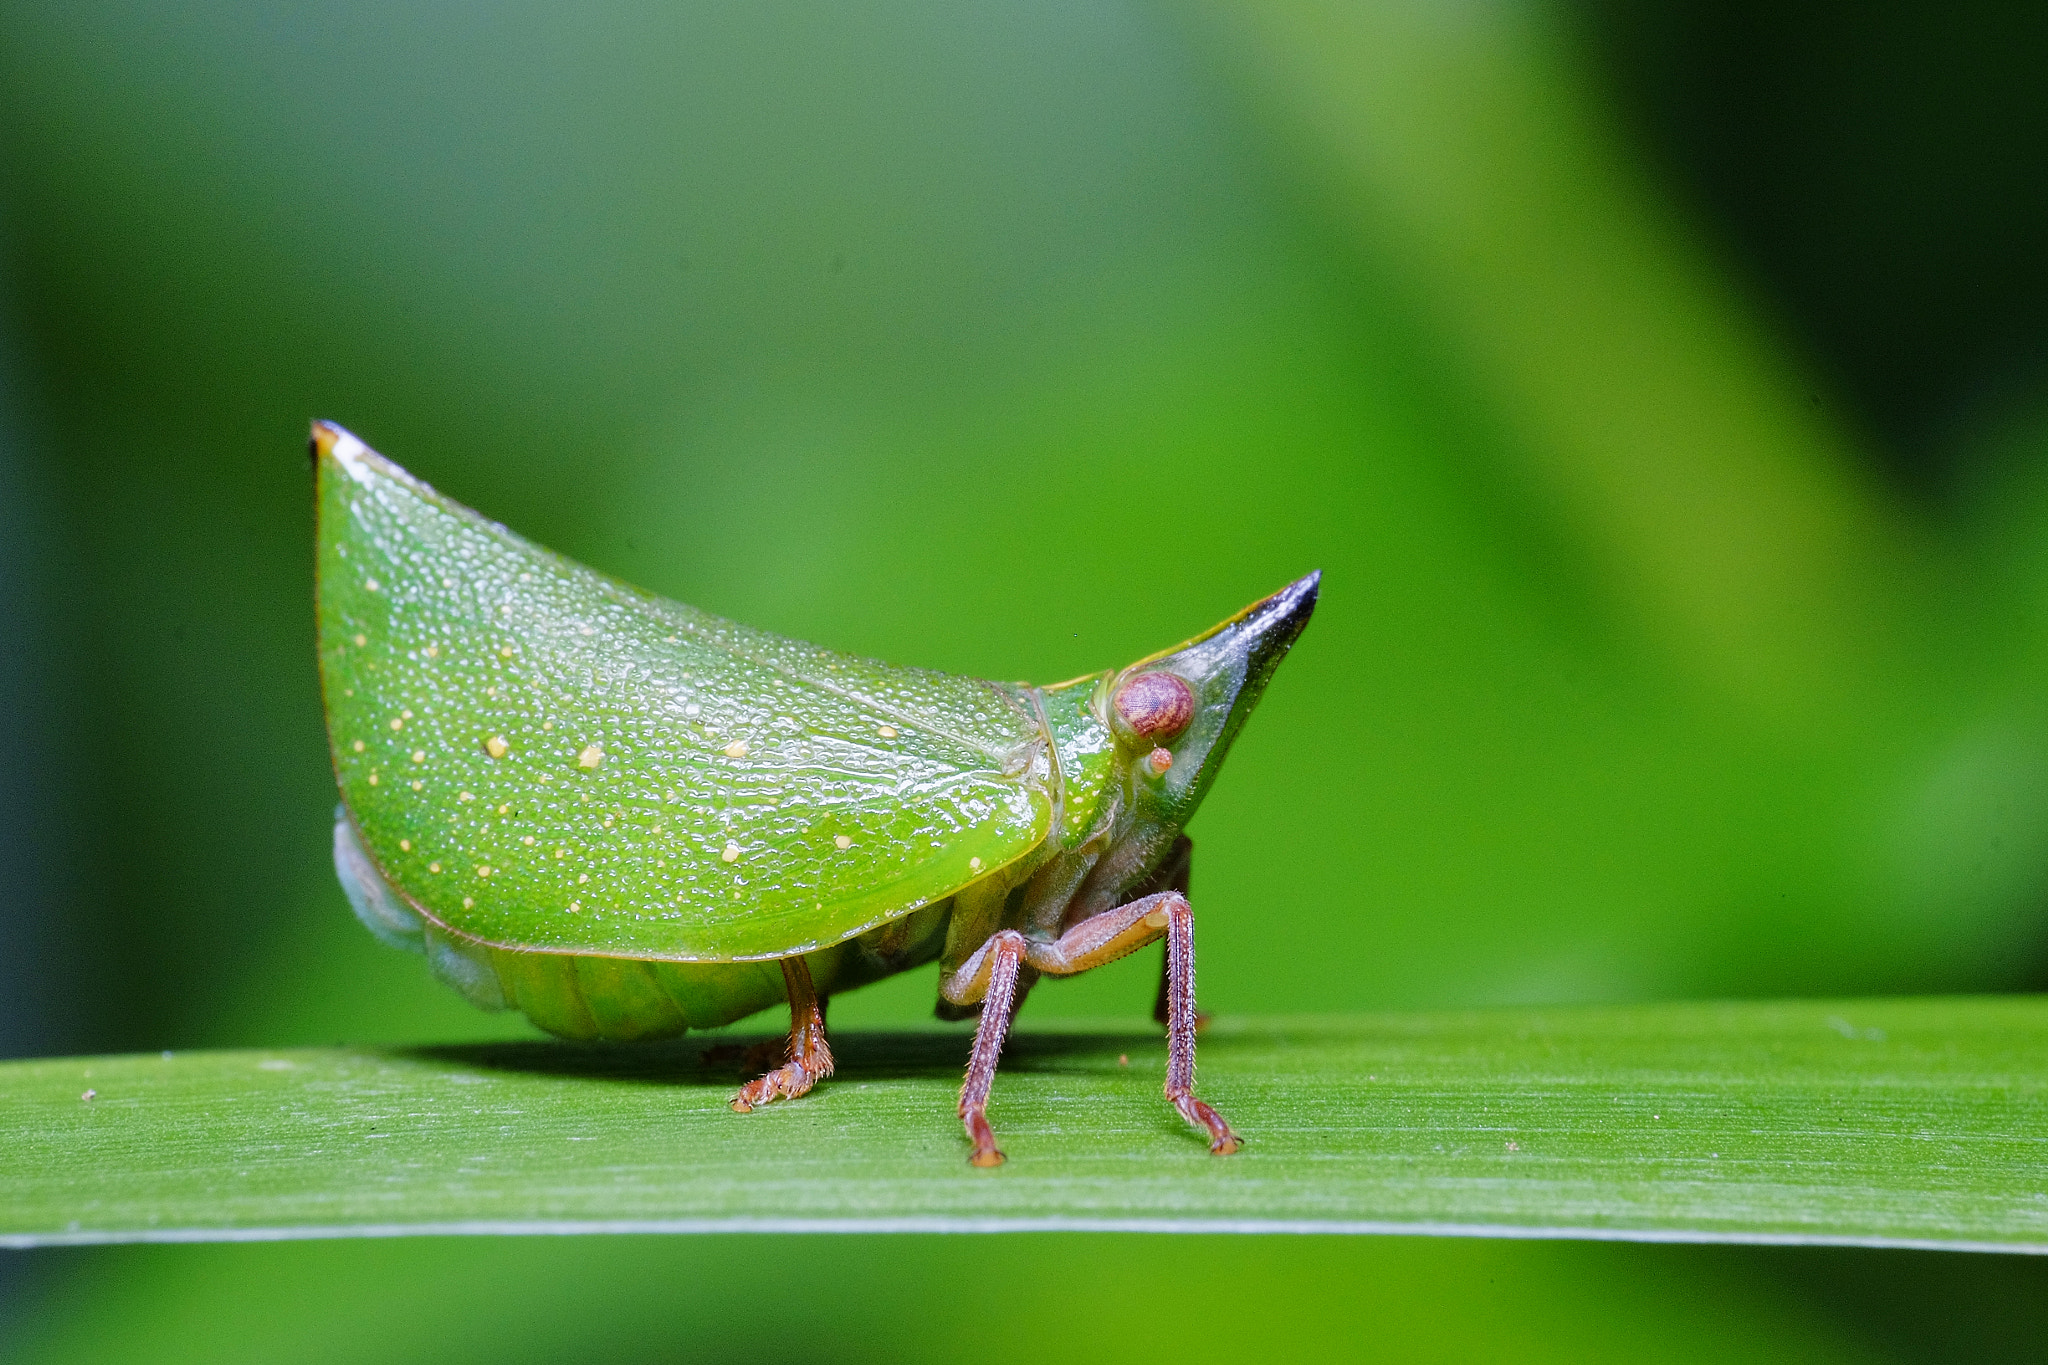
332	441
329	437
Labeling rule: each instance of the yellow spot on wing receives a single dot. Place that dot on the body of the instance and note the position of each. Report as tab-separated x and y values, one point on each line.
592	755
397	724
974	864
887	732
357	746
465	796
732	852
361	640
433	867
736	749
841	841
405	845
419	755
496	746
469	902
433	651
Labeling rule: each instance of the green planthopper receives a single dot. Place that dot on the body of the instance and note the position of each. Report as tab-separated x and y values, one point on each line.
628	818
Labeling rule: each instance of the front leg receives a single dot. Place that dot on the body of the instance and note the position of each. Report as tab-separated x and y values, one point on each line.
808	1057
1173	875
991	974
1181	1023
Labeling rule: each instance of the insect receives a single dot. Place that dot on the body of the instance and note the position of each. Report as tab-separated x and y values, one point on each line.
628	818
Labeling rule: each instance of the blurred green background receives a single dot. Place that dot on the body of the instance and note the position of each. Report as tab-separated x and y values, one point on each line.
1663	388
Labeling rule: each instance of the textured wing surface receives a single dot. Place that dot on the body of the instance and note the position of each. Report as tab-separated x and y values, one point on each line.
540	756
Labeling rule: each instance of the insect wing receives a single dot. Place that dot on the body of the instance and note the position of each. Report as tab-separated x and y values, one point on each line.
539	756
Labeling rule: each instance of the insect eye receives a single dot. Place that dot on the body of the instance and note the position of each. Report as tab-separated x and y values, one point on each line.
1156	706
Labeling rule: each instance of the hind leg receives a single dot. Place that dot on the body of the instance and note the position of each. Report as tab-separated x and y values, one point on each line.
808	1056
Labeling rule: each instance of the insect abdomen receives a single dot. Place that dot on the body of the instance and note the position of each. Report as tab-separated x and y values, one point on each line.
616	999
619	999
625	999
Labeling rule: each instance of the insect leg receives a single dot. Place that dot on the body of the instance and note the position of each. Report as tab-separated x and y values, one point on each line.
1113	933
1005	952
1181	1022
1173	876
976	915
809	1056
1026	979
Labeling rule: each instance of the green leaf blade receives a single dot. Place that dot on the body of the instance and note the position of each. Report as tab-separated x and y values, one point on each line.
1901	1123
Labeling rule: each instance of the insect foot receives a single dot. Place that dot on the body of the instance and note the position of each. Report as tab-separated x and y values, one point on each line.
786	1082
810	1057
1222	1141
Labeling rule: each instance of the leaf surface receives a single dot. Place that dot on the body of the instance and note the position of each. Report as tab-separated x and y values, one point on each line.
1904	1122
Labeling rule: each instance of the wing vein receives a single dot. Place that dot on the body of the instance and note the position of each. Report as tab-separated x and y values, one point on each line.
998	756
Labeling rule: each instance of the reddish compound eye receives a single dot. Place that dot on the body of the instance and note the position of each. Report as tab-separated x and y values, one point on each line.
1157	706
